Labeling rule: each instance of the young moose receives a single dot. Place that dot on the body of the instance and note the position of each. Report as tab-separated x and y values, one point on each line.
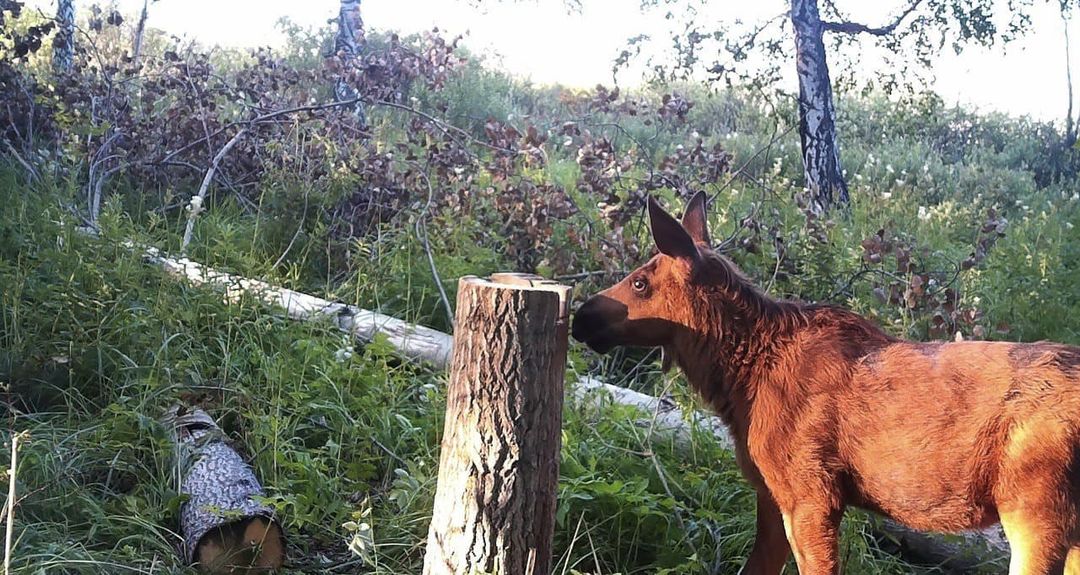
827	411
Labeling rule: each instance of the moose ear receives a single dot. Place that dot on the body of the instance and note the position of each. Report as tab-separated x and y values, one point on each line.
670	237
694	220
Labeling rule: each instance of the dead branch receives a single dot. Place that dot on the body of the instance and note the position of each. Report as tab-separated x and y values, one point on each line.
857	28
197	201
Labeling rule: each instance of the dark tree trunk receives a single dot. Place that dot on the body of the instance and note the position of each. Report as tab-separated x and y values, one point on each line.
140	30
64	42
817	119
1070	125
499	465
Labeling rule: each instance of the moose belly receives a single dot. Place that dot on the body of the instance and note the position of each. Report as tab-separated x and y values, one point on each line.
936	496
923	436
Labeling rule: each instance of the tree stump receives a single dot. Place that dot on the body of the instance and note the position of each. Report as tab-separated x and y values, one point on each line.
499	467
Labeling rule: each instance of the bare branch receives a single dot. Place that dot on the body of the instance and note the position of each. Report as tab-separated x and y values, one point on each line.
31	172
196	204
857	28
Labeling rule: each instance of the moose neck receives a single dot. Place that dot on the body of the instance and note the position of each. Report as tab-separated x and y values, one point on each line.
735	328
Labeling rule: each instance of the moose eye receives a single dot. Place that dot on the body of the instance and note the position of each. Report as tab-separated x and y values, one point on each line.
640	285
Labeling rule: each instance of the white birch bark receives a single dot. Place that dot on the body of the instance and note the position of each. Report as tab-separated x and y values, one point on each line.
347	46
64	42
817	118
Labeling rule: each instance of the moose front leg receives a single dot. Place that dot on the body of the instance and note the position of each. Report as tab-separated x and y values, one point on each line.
771	549
813	530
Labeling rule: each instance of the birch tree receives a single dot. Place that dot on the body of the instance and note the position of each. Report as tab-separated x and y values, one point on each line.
347	47
64	42
822	34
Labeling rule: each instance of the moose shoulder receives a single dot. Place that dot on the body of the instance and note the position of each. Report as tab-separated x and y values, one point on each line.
827	410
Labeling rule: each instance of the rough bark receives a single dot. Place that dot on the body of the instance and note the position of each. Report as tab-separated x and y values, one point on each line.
225	529
499	466
817	117
64	42
347	47
140	31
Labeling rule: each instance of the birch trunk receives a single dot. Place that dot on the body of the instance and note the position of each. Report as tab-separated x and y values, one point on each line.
347	46
225	528
817	118
64	42
499	466
140	31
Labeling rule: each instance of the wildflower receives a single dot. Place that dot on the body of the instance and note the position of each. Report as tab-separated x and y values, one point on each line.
886	195
924	214
889	168
1069	225
342	355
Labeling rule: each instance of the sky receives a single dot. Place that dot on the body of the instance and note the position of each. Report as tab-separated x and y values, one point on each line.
541	40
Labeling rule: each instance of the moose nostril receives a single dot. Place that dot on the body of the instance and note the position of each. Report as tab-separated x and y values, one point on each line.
582	322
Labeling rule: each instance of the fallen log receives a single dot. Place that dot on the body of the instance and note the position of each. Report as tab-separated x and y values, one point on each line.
413	341
225	528
961	553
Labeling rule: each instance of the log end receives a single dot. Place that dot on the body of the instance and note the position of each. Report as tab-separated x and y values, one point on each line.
251	545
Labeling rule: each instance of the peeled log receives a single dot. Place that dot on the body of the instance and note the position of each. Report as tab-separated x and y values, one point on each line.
499	466
225	530
413	341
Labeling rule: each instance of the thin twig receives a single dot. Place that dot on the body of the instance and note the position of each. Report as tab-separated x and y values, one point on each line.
196	207
11	500
29	169
299	228
421	232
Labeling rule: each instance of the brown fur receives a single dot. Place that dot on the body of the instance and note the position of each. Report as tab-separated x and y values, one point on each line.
828	411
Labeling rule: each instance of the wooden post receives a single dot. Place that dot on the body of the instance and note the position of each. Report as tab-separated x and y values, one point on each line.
499	467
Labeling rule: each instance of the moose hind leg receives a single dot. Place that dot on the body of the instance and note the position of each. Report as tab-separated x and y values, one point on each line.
814	534
1072	563
1037	497
1037	544
771	549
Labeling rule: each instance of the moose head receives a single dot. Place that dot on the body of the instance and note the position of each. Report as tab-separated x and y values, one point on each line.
655	303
